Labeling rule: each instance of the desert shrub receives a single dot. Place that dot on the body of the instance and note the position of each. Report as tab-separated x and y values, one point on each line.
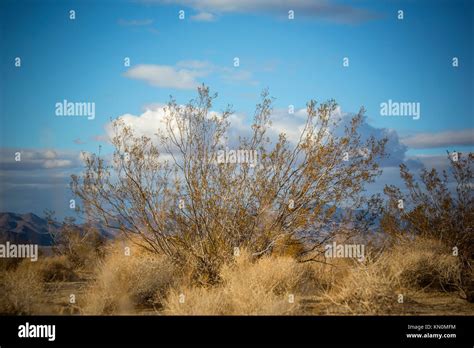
7	264
320	277
425	263
21	290
438	206
56	268
367	288
81	245
290	247
248	287
123	282
194	206
373	286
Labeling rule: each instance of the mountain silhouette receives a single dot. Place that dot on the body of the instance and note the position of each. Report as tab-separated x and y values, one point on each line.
31	229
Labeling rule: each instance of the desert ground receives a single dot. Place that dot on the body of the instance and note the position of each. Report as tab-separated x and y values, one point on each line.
416	277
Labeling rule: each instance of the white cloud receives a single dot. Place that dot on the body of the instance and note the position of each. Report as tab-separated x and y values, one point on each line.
165	76
203	17
151	120
49	154
440	139
148	123
292	125
185	74
37	159
57	163
439	162
84	155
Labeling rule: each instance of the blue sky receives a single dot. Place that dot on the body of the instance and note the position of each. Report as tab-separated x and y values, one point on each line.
407	60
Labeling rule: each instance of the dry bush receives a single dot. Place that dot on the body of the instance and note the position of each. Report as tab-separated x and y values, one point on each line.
373	286
425	263
56	268
8	264
440	206
125	282
81	245
194	206
21	290
249	287
366	288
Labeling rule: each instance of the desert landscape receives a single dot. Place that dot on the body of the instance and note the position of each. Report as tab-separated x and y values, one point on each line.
422	271
172	230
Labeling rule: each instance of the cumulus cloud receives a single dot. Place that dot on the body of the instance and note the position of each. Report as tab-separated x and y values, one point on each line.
151	121
316	9
293	125
463	137
148	123
394	148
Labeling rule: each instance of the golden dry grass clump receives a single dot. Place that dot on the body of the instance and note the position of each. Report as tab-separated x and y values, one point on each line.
365	289
21	289
56	268
124	282
266	286
273	284
375	285
425	263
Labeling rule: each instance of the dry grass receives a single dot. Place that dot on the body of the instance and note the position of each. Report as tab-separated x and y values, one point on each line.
417	269
247	288
56	269
374	286
426	264
21	290
24	284
366	289
123	282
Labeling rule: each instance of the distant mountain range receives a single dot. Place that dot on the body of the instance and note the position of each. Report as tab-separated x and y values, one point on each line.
30	228
24	228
